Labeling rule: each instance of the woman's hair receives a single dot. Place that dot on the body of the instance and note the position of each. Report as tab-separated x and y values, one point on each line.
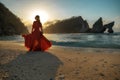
37	17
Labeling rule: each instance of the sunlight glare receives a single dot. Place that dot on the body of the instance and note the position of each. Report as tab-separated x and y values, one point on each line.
43	16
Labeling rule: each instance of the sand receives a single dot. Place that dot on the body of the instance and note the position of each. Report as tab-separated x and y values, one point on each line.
58	63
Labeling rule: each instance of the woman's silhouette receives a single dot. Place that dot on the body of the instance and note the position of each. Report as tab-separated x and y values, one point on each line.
36	41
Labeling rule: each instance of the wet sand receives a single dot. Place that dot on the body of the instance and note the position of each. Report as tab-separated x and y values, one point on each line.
58	63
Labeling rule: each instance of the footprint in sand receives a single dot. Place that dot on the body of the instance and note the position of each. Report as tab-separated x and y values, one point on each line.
117	79
105	61
101	60
101	74
95	69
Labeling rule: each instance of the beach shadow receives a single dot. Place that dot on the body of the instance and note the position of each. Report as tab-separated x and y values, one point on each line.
33	66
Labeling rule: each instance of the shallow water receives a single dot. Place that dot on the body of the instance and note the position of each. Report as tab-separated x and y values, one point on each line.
78	40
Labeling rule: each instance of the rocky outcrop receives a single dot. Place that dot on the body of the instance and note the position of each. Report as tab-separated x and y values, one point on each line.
10	24
78	25
98	27
109	27
85	27
71	25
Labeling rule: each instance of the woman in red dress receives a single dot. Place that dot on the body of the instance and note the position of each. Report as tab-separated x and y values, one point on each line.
36	40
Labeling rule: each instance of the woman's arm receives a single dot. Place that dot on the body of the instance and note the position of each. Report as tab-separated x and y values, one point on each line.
32	27
41	28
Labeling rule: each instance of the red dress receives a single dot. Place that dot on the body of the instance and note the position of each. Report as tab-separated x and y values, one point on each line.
36	40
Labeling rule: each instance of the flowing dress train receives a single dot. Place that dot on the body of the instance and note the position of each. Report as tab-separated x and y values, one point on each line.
36	41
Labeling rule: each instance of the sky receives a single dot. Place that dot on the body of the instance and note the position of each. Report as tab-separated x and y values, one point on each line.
90	10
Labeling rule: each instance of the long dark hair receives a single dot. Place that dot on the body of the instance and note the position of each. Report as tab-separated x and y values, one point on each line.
37	17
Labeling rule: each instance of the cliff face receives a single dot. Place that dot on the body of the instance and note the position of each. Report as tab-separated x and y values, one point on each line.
85	27
109	26
71	25
78	25
9	23
98	26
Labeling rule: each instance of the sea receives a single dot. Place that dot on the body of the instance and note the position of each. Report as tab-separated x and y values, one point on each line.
88	40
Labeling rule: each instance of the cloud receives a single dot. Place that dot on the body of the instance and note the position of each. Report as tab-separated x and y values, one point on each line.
117	24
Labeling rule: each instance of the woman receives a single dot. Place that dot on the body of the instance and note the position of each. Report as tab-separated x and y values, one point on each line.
36	41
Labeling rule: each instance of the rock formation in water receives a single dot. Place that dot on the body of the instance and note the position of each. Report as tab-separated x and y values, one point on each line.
9	23
98	27
71	25
78	25
84	27
109	27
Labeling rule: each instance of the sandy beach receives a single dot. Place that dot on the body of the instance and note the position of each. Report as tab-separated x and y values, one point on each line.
58	63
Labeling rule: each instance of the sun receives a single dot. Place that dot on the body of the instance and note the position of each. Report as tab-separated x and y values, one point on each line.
43	16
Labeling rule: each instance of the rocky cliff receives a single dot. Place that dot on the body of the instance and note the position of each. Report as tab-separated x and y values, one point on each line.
9	23
98	27
71	25
78	25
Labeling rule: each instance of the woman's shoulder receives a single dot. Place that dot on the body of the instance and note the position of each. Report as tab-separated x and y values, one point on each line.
37	23
34	21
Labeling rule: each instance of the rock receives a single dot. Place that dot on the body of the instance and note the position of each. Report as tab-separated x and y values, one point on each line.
78	25
10	24
9	30
70	25
98	26
110	30
85	27
0	30
109	27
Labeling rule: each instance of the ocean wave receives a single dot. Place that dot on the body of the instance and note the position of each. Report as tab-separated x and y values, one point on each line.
90	44
105	40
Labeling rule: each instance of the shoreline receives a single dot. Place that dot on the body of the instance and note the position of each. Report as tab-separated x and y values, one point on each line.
92	48
58	63
21	43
